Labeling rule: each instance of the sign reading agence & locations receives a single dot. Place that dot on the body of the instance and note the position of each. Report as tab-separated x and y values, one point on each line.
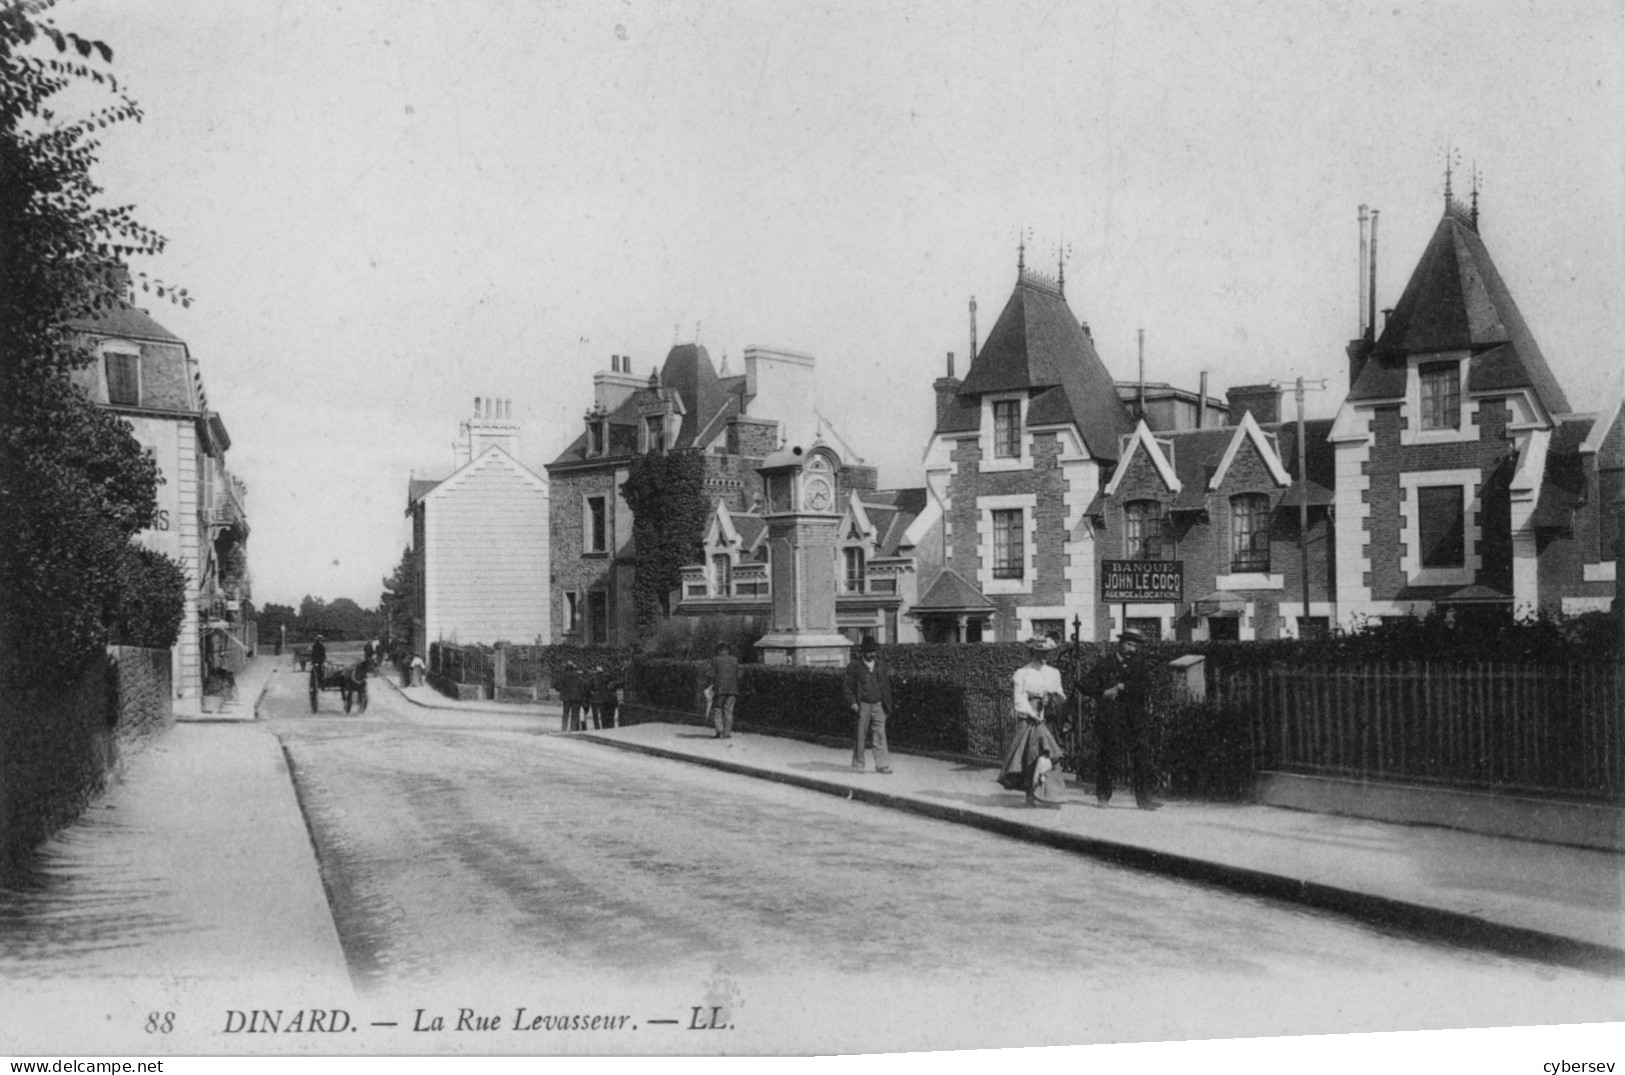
1142	580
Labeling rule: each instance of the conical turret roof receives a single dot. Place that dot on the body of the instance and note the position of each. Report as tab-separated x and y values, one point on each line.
1456	301
1038	346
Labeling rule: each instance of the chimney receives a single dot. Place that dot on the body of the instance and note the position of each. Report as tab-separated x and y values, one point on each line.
1371	289
1359	349
947	390
611	389
1262	400
1201	403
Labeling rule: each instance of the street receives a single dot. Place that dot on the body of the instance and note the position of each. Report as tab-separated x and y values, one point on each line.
467	855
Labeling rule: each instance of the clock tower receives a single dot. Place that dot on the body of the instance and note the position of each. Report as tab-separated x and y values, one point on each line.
803	515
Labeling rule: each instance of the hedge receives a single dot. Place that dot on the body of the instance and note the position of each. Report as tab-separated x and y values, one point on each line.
1203	748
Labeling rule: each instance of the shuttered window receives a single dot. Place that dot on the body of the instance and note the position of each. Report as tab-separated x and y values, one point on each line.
124	379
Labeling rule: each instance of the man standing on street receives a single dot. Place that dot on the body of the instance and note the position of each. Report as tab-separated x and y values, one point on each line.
724	687
1122	683
868	692
569	686
318	652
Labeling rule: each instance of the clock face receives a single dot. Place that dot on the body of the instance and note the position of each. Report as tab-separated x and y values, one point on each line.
818	496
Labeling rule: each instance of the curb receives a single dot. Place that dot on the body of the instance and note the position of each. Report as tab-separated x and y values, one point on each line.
1453	927
511	712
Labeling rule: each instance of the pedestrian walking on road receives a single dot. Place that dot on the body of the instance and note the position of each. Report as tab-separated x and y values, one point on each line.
1030	763
414	671
570	688
722	685
868	692
1122	683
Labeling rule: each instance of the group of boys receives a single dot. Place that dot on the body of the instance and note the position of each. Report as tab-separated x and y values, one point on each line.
590	698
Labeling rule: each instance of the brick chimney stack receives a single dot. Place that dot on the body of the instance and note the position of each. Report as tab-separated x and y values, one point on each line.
947	389
1263	400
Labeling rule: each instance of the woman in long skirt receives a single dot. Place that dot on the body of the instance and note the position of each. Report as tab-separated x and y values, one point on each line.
1035	753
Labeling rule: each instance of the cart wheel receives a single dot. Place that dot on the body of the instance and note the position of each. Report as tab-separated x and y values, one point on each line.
313	693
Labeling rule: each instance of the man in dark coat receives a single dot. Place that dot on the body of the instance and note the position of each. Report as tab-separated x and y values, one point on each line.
868	692
723	683
1122	684
570	688
318	652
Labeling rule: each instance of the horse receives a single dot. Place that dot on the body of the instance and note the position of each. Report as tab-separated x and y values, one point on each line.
350	681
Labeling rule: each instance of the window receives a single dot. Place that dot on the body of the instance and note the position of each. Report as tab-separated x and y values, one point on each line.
1009	555
1144	523
572	612
654	428
1314	627
1223	629
854	569
1441	526
1149	626
973	630
596	538
1057	628
124	379
1250	532
598	617
1441	395
597	444
722	574
1007	429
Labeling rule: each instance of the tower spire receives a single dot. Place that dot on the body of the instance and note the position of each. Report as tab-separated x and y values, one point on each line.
1475	196
1021	253
1060	275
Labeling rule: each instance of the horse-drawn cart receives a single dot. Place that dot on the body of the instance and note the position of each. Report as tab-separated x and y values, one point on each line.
349	680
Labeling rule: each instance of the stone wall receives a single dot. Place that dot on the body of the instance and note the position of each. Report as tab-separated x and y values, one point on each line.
59	746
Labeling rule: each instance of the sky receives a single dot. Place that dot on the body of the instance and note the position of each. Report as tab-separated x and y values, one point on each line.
385	210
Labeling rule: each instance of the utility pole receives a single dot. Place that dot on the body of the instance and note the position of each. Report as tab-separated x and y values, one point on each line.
1303	490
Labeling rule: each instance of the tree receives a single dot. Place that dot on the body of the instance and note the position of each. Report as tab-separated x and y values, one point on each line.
669	510
75	485
400	597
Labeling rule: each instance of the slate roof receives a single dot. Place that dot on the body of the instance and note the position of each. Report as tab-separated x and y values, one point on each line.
1456	300
126	321
951	593
1198	452
1562	486
891	512
705	396
748	527
1038	345
417	487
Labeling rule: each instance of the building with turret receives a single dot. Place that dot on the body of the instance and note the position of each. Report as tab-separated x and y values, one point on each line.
1465	481
734	421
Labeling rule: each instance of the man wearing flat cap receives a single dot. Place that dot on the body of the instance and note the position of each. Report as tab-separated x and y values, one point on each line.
1122	683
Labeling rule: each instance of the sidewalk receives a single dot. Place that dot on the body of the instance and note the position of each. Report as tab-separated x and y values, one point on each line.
190	883
1542	901
426	697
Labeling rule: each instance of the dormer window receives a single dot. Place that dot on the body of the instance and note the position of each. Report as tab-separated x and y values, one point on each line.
1007	429
854	569
654	433
722	574
123	378
597	437
1143	525
1250	533
1441	395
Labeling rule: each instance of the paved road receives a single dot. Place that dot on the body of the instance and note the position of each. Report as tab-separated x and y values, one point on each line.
469	856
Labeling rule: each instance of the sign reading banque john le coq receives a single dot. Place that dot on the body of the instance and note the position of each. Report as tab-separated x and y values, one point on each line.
1142	580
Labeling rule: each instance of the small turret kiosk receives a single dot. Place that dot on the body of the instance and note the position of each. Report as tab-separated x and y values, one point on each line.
802	516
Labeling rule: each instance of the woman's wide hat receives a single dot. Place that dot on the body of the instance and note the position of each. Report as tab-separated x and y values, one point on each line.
1040	643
